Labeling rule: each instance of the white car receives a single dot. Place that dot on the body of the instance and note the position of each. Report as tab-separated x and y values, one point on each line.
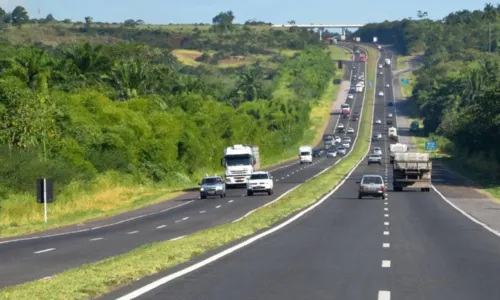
378	121
353	66
341	150
380	66
389	115
331	152
380	47
379	135
350	96
380	93
377	151
337	139
346	144
380	73
350	130
340	126
260	182
387	85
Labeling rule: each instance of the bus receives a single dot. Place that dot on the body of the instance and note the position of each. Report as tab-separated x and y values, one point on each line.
362	57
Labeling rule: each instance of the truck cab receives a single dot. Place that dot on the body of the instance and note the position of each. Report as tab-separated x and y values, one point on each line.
240	161
305	154
393	133
345	109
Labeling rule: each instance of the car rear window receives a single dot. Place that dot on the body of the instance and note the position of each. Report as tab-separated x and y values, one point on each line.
259	176
212	180
372	179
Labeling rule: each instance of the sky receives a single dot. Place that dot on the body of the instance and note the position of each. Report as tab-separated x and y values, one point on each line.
274	11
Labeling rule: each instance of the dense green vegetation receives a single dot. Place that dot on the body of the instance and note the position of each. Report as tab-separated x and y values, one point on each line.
130	113
457	90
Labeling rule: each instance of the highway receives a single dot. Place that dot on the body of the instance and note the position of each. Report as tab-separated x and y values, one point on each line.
28	259
411	246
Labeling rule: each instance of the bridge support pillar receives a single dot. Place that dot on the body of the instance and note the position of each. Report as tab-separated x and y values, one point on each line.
321	33
342	37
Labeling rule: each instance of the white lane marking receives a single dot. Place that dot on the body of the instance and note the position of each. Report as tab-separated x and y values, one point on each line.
384	295
386	215
386	245
485	226
386	232
97	227
178	221
46	277
133	232
202	211
230	201
161	226
386	264
177	238
247	242
96	239
386	209
282	178
287	175
218	206
43	251
386	223
385	203
185	218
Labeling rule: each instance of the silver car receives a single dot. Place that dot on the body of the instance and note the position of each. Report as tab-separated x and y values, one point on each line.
377	151
212	186
371	185
342	150
374	159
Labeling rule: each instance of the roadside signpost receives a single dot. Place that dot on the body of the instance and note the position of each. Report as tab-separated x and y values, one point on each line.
370	83
45	194
430	146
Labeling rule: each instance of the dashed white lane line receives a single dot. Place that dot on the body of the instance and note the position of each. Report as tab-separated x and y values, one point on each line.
178	221
230	201
133	232
386	264
43	251
386	209
386	223
384	295
386	232
282	178
287	175
96	239
161	226
202	211
385	203
386	245
386	215
185	218
177	238
218	206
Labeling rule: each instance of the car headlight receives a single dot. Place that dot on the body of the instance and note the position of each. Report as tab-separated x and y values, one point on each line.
218	188
202	189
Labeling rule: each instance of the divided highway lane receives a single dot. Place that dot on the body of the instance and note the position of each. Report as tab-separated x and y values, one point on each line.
26	260
336	251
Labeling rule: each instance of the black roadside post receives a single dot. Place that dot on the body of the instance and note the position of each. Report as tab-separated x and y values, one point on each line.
44	194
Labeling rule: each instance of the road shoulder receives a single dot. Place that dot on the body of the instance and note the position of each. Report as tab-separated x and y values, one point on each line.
457	189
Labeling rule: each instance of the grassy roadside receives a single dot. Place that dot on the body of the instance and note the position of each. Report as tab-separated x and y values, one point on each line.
96	279
339	53
111	194
403	62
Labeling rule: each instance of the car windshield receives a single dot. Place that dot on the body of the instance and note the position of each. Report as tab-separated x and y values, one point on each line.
372	179
238	160
341	149
212	180
259	176
376	149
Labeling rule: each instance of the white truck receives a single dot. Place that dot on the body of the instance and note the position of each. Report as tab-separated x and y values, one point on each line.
387	62
240	161
397	148
393	133
359	87
412	170
305	154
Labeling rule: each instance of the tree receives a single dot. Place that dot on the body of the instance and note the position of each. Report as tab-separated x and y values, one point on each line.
223	21
130	22
19	16
88	22
490	15
49	18
421	14
3	14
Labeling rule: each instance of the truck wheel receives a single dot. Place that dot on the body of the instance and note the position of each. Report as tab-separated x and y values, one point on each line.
423	190
222	195
249	193
270	192
359	196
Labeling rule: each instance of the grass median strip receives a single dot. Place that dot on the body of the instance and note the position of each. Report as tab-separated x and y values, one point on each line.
99	278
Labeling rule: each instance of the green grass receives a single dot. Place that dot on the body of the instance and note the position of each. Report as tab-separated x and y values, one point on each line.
339	53
403	62
188	57
99	278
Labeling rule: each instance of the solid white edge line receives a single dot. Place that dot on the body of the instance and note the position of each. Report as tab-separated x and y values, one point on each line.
384	295
177	238
251	240
94	228
350	150
470	217
45	250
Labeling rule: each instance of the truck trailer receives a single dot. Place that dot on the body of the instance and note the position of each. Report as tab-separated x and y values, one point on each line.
412	170
240	161
397	148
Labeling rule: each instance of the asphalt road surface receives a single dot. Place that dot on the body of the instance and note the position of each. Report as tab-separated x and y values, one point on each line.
26	260
411	246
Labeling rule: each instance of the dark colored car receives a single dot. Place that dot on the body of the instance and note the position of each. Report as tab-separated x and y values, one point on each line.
355	116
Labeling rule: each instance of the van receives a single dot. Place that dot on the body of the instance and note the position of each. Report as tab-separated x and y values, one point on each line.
305	154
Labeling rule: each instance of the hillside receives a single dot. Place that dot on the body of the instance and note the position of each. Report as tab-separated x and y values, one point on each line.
457	91
121	117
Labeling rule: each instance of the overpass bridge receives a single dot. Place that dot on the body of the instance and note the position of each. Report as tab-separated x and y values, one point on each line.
322	27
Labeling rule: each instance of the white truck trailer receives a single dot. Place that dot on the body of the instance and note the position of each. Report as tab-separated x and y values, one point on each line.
240	161
412	170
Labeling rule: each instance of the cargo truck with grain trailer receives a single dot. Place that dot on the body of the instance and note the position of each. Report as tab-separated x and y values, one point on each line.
412	170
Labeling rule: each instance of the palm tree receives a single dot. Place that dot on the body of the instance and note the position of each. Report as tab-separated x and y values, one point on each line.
130	78
490	15
250	85
87	60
